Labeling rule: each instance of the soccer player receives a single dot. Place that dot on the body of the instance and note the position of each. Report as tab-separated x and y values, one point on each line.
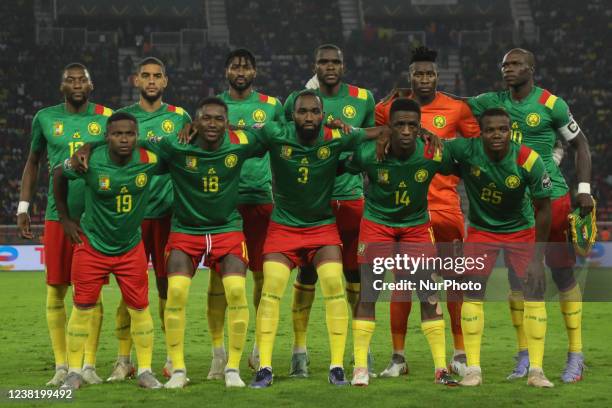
60	130
155	119
246	108
353	106
538	118
446	117
396	212
108	240
505	182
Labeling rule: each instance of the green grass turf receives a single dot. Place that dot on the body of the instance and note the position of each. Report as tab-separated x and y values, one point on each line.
26	359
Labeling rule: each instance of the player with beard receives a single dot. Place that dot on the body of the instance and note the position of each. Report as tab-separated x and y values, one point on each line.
60	130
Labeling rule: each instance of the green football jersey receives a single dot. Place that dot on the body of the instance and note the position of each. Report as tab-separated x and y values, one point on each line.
61	133
256	178
500	193
354	106
168	120
397	192
115	198
536	122
206	183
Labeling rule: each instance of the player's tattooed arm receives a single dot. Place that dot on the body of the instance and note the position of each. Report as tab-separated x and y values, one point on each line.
28	188
535	282
60	192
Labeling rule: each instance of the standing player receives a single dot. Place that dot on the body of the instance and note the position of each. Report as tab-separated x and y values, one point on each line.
116	194
446	117
246	108
155	119
60	130
538	117
354	106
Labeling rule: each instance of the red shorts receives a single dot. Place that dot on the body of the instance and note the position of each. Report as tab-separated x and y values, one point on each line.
373	233
560	254
90	270
519	249
58	254
155	233
256	218
213	247
348	215
299	244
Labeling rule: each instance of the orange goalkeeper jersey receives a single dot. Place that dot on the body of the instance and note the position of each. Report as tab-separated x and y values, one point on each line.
445	117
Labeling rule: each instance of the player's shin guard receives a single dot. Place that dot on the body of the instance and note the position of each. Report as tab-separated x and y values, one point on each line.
571	307
276	276
95	325
517	309
257	286
178	292
362	336
56	321
454	311
238	317
352	293
400	310
535	331
215	312
472	324
122	330
78	330
303	298
142	333
336	309
434	333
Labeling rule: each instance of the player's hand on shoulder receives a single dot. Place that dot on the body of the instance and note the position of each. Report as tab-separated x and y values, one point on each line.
23	222
313	83
338	124
383	143
431	139
187	133
79	161
72	230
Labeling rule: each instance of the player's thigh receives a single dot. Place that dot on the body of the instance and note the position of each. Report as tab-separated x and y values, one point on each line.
131	274
179	263
327	253
90	273
58	254
232	265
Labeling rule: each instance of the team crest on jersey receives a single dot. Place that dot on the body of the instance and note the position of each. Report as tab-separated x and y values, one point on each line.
512	181
231	160
361	247
191	162
167	126
76	135
533	119
285	152
323	152
104	183
475	171
421	175
150	134
141	180
383	176
349	111
241	123
259	115
439	121
58	128
94	128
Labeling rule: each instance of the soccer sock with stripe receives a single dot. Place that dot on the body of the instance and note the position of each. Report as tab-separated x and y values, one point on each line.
535	331
237	316
303	298
215	312
472	325
352	293
336	309
362	336
434	333
56	321
78	330
399	323
122	331
517	310
142	333
276	276
178	293
95	325
571	307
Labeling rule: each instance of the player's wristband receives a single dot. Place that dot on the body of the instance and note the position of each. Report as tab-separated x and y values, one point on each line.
22	207
584	188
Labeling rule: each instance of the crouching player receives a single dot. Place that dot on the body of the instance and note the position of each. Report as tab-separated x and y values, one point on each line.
116	194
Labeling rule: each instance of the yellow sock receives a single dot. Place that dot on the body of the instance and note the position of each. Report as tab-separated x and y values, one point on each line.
257	286
215	312
336	309
237	317
362	336
91	345
517	307
276	276
56	321
161	310
142	333
352	293
122	330
535	329
472	325
303	297
571	307
434	333
178	292
78	330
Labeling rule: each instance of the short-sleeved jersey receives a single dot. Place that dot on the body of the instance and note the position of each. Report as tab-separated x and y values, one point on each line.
445	117
536	121
500	193
115	198
256	178
397	192
61	133
354	106
205	183
304	175
166	121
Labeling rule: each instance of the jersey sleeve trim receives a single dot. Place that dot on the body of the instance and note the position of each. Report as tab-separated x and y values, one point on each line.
547	99
238	137
429	153
103	110
330	134
147	156
526	158
176	109
357	92
267	99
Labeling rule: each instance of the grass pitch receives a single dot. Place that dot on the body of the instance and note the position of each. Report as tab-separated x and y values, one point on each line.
27	362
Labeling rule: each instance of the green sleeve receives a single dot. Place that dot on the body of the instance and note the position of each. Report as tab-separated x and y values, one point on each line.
447	166
370	119
540	184
352	139
69	172
354	164
456	148
560	114
186	118
289	107
39	143
482	102
161	146
279	113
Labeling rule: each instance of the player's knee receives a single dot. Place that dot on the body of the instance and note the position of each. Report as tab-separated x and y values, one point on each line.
352	275
514	281
332	285
563	278
177	294
236	294
307	275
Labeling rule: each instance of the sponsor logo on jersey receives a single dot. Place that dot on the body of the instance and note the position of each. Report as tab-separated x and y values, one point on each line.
191	162
402	184
439	121
533	119
421	175
383	176
76	135
211	171
104	183
241	123
304	160
285	152
150	134
546	182
512	181
259	115
475	171
58	128
330	118
141	180
94	128
349	111
124	190
231	160
323	152
167	126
